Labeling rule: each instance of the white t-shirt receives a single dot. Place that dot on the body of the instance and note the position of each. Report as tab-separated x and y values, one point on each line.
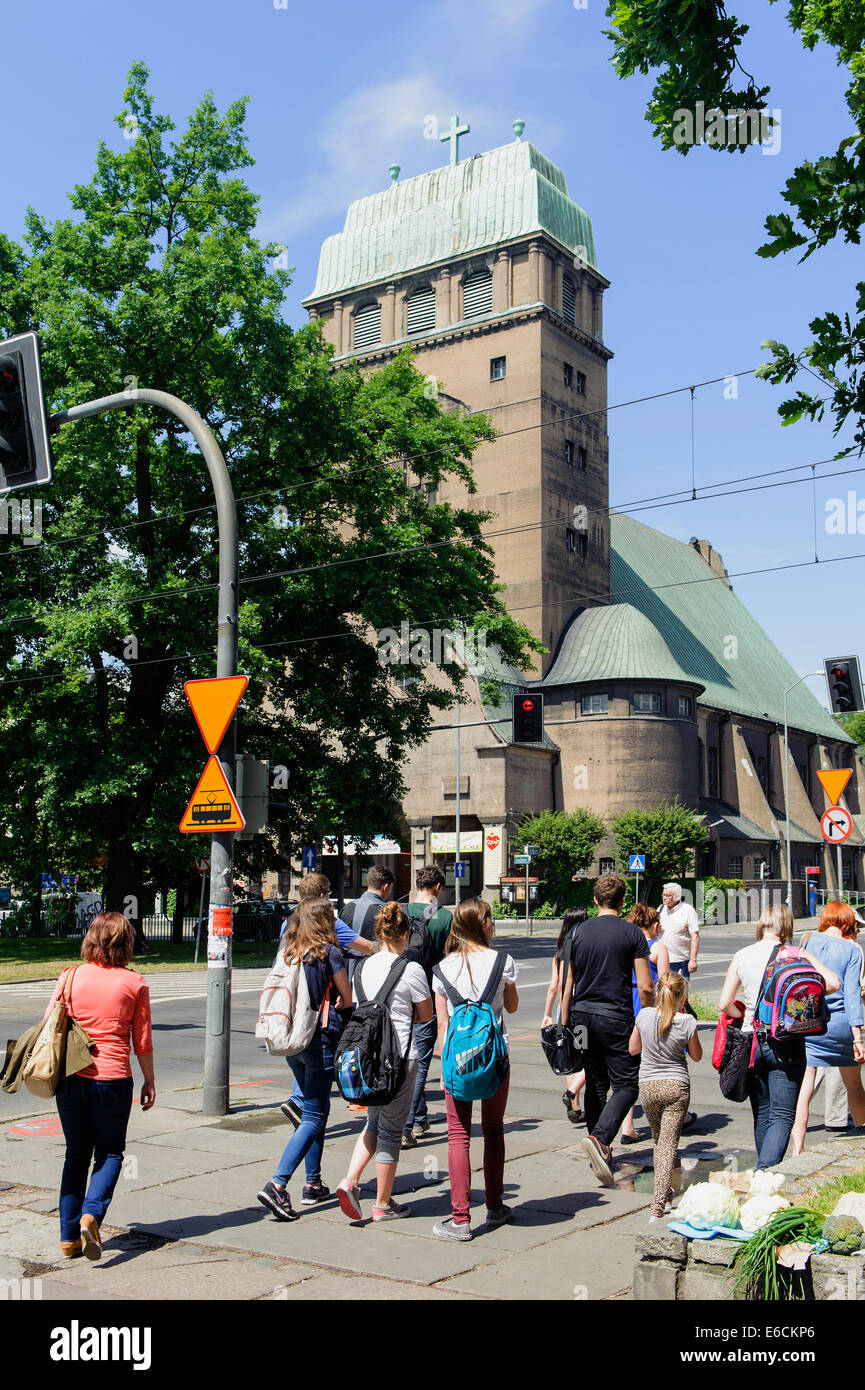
456	968
677	927
750	965
412	989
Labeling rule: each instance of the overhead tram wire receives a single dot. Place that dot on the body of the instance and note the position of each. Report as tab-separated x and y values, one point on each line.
403	459
671	499
343	636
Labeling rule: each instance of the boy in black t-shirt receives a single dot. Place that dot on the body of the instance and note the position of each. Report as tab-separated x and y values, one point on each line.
597	996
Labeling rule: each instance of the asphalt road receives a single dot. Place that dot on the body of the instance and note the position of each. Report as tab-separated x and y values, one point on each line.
178	1002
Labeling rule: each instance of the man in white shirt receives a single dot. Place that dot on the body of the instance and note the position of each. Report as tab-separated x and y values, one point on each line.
680	929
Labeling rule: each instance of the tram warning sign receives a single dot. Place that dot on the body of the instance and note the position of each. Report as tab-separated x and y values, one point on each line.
212	807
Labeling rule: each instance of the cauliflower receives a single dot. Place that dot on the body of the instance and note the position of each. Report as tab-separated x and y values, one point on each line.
757	1210
843	1234
708	1204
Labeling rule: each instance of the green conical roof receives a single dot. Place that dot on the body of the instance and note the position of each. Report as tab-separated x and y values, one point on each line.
491	198
614	642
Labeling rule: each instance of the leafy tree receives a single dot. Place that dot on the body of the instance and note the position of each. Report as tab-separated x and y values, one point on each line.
157	280
567	841
695	49
854	725
669	836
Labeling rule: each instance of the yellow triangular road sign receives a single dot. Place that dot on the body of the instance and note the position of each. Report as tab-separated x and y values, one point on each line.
834	781
212	807
213	703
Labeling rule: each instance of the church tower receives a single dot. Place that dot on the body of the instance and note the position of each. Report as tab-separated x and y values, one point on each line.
488	269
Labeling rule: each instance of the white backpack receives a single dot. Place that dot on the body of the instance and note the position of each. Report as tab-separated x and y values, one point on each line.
286	1019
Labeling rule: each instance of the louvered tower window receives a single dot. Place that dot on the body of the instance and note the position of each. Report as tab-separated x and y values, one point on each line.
367	327
421	311
569	300
478	295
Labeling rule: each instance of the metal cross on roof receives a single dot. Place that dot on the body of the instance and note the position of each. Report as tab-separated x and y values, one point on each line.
453	135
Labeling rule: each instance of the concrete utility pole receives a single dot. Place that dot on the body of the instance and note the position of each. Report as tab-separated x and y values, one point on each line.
216	1051
787	783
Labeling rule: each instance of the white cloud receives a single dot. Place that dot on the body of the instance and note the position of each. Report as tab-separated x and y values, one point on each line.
361	138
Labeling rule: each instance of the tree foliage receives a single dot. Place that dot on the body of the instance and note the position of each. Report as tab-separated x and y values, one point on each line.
669	835
694	47
156	279
567	842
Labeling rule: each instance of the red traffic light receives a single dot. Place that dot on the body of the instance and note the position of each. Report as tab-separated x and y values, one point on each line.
528	704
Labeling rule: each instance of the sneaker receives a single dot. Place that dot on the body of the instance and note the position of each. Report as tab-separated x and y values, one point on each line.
654	1218
349	1199
500	1217
600	1156
292	1111
449	1230
408	1140
314	1192
359	1109
91	1241
277	1200
419	1129
391	1212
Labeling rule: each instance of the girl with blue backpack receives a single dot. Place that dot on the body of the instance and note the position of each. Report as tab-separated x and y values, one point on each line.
474	986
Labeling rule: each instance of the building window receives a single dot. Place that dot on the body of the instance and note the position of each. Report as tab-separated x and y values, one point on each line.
569	373
647	702
498	368
581	383
606	866
569	300
420	311
478	295
735	867
594	704
762	769
569	452
701	753
685	706
571	539
712	771
582	457
367	327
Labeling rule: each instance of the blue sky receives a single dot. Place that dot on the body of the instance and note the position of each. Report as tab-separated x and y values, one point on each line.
340	91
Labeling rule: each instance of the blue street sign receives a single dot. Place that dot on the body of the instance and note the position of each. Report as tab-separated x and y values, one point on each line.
637	863
310	858
522	859
460	867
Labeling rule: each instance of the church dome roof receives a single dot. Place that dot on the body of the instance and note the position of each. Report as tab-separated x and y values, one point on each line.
614	642
476	204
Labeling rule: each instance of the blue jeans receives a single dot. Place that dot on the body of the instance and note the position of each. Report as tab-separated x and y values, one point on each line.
773	1089
94	1115
425	1040
313	1071
681	967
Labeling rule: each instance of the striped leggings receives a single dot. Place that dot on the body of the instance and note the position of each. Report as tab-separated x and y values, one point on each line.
665	1105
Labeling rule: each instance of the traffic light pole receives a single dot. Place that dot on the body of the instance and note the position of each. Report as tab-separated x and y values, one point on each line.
217	1035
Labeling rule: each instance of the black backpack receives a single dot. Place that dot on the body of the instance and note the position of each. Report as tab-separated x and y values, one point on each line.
421	947
369	1067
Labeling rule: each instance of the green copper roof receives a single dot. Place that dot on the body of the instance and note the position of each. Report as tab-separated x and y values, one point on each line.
613	643
708	630
478	203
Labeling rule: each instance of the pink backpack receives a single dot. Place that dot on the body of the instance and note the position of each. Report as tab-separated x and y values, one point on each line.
792	999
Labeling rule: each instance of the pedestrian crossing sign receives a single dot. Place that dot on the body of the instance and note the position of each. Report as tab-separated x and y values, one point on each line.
637	863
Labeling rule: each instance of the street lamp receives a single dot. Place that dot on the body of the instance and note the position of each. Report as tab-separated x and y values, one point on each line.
787	783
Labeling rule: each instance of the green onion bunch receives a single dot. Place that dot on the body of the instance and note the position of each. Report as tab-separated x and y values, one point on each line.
755	1260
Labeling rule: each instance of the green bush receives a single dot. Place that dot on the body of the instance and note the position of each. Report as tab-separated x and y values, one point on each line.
17	922
544	912
501	909
715	892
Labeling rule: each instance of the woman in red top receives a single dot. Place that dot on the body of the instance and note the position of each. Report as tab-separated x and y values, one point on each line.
110	1002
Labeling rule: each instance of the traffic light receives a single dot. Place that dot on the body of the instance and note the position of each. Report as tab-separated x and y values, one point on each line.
25	453
845	684
528	716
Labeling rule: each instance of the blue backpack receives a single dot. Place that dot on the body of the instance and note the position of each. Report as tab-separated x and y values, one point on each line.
475	1056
